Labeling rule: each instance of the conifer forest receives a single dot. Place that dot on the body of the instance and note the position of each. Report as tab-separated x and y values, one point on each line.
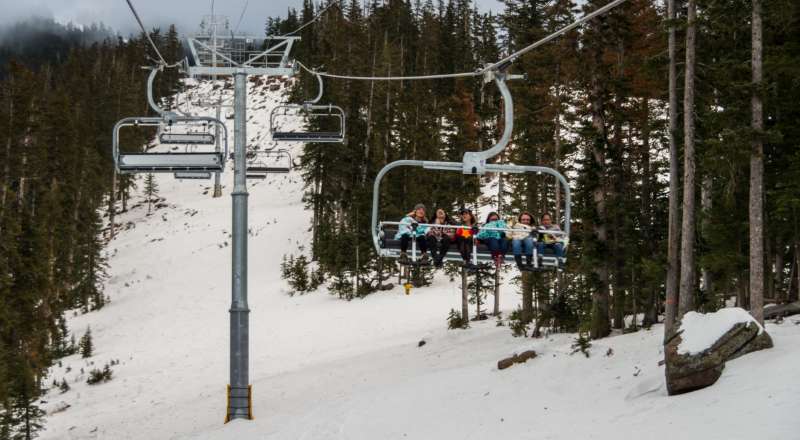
675	123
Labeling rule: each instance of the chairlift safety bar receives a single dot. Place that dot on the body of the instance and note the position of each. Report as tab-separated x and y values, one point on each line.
458	166
532	231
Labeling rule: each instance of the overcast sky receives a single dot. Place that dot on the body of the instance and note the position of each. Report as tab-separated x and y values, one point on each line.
185	13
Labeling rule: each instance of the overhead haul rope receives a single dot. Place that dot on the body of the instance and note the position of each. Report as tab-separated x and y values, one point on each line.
163	62
244	10
316	17
495	66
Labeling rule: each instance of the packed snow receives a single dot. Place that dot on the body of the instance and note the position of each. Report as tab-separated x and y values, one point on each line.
702	330
324	368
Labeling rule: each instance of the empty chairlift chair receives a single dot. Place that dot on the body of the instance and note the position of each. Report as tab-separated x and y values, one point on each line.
193	143
262	163
330	117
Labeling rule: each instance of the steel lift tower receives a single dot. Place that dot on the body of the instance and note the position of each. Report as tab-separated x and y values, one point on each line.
239	57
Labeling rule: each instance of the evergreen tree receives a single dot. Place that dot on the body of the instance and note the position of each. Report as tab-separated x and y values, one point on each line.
150	191
86	345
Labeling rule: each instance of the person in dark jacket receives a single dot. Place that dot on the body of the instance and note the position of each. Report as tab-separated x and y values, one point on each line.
465	234
439	238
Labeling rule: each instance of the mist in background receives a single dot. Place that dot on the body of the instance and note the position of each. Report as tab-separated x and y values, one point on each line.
185	14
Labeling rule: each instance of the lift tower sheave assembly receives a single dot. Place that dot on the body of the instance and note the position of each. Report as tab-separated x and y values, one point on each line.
239	57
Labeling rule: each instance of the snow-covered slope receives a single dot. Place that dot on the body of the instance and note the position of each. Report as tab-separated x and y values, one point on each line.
322	368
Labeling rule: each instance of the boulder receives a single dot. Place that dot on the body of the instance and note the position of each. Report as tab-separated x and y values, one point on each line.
696	352
760	342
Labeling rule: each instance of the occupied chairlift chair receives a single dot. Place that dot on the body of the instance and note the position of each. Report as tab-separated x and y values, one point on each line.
190	132
309	110
267	162
383	232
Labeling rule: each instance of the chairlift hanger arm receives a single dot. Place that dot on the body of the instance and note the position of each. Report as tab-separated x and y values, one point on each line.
474	162
319	93
165	114
150	100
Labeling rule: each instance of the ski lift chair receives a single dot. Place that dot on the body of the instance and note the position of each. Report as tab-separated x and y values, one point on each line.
174	161
309	111
267	162
176	130
474	163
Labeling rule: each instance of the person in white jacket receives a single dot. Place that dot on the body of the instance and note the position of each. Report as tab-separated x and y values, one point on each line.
521	239
549	240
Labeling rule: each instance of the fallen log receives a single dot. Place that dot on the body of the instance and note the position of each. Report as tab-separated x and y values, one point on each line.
782	310
521	358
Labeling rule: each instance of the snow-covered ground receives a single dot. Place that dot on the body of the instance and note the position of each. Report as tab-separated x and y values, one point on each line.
323	368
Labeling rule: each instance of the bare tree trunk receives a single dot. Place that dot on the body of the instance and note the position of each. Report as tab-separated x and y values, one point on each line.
769	277
674	233
778	283
464	296
757	177
686	295
647	294
527	297
601	324
741	295
112	205
557	145
796	272
496	309
6	166
706	206
5	182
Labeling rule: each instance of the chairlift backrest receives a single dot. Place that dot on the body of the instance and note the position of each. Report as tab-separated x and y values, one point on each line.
195	175
187	138
308	111
269	162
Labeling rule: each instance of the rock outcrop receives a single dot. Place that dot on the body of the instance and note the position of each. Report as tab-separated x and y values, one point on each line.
690	367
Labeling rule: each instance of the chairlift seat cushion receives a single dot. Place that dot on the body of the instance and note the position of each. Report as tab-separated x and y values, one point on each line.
320	136
258	169
170	162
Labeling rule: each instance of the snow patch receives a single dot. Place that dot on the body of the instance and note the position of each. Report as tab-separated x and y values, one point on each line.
702	330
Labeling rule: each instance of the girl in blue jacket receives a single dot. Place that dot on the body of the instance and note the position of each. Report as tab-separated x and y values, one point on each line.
495	240
407	230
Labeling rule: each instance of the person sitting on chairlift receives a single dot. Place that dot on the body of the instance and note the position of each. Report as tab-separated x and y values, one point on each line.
495	240
522	240
465	233
439	239
409	229
547	241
